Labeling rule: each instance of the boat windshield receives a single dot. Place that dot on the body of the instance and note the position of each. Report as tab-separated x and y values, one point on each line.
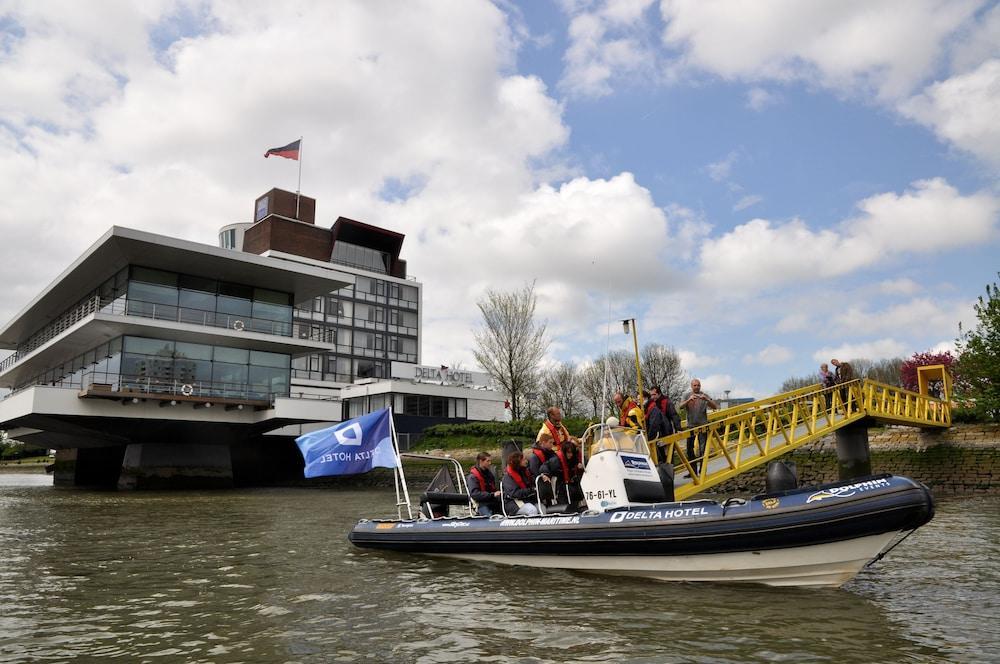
604	438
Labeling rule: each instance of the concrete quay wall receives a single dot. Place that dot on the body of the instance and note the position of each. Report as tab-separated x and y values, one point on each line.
963	460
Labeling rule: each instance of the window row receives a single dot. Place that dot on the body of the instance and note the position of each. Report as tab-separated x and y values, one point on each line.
171	296
421	405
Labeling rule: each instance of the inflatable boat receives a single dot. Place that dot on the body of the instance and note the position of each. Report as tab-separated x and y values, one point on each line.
818	536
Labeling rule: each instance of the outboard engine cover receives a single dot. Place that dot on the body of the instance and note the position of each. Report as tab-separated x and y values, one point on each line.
781	476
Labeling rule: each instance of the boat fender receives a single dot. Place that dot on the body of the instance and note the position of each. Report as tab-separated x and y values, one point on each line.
781	476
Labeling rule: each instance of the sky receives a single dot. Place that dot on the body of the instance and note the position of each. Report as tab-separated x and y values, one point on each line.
762	185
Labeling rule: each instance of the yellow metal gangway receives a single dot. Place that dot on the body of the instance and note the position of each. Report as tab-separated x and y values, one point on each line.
751	434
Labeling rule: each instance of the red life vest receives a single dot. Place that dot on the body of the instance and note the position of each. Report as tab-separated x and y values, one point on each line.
626	409
488	487
556	432
565	466
516	476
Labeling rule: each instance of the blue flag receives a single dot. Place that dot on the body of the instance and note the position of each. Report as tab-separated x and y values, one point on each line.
351	447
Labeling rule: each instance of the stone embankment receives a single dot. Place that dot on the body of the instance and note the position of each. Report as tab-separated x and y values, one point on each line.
962	460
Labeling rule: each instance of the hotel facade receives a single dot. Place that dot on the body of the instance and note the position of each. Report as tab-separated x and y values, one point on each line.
153	361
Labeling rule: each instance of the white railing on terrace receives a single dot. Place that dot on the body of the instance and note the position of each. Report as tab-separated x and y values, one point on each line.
168	312
123	385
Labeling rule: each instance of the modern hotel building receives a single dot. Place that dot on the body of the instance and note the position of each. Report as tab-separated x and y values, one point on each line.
153	361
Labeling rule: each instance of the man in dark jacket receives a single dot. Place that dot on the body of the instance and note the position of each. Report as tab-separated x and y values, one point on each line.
661	419
483	485
539	453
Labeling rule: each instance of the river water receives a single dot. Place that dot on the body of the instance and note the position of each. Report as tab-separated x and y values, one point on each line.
267	575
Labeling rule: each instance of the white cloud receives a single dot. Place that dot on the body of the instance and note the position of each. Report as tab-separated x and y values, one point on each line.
795	322
921	313
716	385
769	355
720	170
693	360
758	99
869	350
761	254
609	41
747	201
888	46
963	110
900	286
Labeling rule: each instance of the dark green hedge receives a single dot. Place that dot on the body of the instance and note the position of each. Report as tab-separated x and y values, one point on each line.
521	429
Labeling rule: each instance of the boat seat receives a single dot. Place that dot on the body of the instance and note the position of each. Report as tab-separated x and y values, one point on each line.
435	503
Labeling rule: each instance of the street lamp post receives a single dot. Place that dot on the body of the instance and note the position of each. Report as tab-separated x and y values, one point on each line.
635	343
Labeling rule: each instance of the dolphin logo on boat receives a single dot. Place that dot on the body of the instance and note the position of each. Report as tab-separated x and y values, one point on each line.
840	492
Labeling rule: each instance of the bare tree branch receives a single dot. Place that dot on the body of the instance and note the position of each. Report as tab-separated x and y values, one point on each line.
510	345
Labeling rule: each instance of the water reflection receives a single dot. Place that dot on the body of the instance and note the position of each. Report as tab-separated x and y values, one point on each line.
268	575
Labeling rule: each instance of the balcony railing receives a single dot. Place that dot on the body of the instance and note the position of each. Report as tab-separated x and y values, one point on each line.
167	312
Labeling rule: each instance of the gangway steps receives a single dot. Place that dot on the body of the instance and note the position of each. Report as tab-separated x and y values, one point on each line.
742	438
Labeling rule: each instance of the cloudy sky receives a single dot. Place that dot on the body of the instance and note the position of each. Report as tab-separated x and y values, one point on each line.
762	184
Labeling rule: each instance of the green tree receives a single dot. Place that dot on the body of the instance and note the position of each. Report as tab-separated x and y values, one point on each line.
979	356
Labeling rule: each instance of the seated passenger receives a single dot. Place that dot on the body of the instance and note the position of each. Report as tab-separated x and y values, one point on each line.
518	487
483	486
565	468
539	453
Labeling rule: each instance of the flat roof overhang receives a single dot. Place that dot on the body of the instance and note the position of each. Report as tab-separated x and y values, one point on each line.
98	328
58	418
126	246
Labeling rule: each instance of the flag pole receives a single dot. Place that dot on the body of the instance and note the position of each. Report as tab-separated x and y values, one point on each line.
298	189
400	477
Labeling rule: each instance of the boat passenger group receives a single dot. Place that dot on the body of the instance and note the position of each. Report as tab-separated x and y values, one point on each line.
555	458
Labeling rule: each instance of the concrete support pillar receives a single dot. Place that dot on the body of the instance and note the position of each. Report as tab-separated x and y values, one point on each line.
853	456
176	466
64	468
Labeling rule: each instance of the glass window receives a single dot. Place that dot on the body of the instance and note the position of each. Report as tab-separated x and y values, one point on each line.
192	372
143	292
229	379
149	346
267	381
234	306
275	312
151	276
272	297
192	351
189	282
236	290
260	358
235	355
197	307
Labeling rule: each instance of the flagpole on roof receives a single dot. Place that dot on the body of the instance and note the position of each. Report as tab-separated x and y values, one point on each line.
298	189
400	478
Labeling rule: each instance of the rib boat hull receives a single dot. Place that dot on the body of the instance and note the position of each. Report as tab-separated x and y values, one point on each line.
821	536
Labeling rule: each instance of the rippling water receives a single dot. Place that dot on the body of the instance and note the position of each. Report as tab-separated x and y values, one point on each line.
268	576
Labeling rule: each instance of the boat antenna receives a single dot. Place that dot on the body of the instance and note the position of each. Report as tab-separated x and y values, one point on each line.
607	351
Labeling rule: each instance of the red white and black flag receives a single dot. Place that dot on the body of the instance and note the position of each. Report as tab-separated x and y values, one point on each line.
290	151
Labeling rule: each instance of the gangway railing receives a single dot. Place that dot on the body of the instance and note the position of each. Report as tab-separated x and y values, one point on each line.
746	436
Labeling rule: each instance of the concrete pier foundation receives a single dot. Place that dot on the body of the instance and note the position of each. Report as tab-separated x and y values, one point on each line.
853	455
176	466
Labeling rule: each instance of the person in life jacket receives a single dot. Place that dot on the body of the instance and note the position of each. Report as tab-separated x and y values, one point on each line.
553	426
661	420
564	468
539	453
631	414
518	487
483	486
